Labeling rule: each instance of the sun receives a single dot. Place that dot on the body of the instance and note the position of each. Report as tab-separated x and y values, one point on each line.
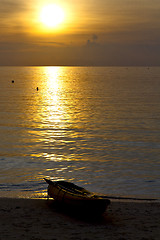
52	15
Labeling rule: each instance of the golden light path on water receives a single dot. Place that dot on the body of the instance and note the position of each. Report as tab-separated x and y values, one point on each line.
53	114
52	118
51	110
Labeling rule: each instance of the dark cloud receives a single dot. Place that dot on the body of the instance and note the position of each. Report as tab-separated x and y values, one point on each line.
93	41
96	55
94	37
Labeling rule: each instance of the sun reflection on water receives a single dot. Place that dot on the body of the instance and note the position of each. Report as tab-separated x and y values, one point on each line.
54	108
52	112
52	76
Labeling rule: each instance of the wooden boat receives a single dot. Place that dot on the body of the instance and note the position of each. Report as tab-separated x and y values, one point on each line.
73	197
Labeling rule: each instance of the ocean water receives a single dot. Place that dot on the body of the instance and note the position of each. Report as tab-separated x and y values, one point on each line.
98	127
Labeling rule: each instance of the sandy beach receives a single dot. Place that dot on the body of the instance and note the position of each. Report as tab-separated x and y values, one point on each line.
38	219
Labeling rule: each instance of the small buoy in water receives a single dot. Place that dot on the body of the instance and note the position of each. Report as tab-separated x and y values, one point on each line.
37	88
12	81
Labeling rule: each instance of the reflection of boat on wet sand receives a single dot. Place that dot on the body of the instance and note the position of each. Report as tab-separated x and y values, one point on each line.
76	198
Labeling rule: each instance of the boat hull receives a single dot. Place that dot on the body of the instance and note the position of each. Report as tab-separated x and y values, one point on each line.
76	198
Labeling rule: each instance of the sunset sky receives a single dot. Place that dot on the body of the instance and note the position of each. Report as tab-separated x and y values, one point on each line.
92	32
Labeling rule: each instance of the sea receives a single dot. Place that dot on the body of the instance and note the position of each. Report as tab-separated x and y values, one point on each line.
98	127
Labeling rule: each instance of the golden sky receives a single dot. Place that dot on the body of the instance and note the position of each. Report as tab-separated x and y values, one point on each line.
93	32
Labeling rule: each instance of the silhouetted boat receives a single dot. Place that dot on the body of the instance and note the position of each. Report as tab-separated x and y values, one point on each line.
76	198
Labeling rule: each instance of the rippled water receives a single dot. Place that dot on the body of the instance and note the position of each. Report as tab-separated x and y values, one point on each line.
98	127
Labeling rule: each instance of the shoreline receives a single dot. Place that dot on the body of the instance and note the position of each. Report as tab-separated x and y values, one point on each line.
38	219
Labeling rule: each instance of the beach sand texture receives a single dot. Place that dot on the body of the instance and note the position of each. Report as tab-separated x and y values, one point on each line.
38	219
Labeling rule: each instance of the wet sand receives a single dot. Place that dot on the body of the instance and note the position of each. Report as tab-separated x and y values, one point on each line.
38	219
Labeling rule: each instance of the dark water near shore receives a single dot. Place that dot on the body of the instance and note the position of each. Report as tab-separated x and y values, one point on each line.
98	127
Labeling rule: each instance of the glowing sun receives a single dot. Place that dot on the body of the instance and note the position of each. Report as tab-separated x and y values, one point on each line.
52	15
